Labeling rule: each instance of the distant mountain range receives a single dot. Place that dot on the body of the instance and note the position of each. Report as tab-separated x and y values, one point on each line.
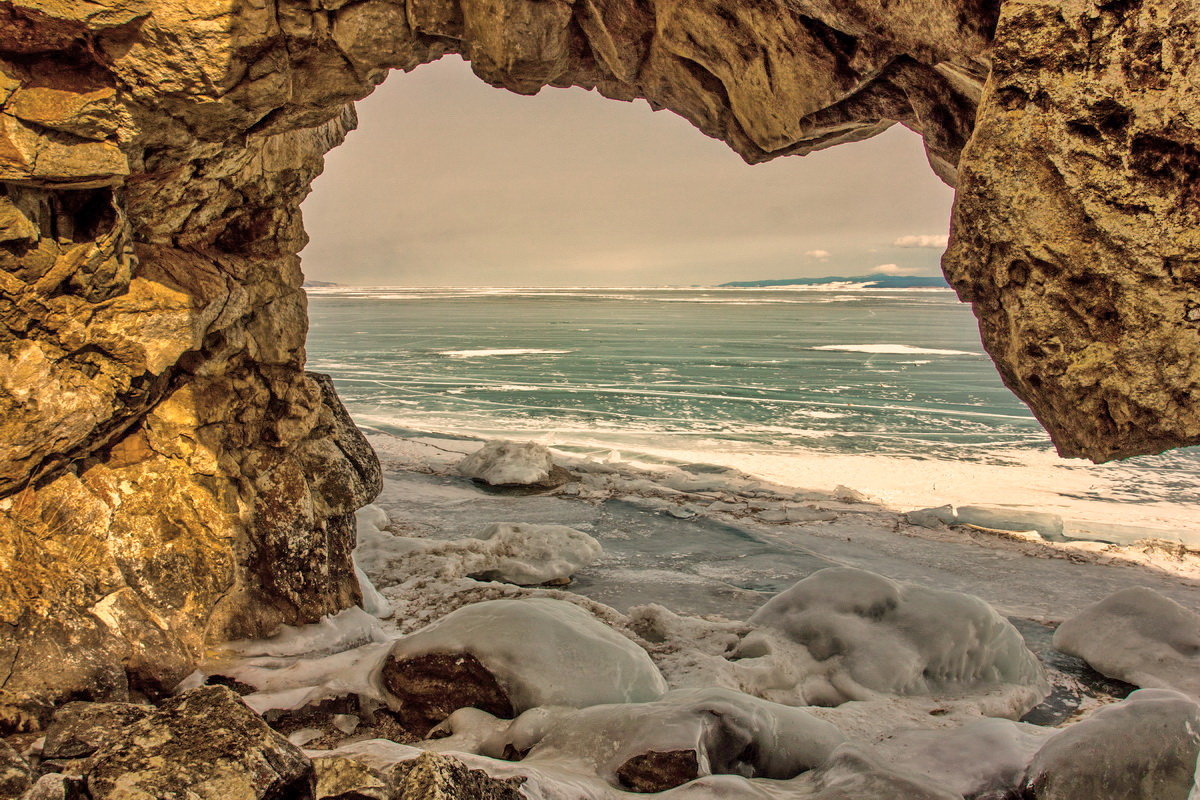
318	284
876	281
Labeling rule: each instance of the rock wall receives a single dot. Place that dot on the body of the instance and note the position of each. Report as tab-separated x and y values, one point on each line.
169	474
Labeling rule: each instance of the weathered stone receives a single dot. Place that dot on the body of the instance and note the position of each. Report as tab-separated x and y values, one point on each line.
431	776
204	744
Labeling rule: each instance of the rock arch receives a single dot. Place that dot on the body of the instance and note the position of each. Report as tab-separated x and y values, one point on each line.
170	475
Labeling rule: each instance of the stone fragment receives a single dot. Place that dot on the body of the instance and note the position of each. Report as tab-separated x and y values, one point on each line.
340	778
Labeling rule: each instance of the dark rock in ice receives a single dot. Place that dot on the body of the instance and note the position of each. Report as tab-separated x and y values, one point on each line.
205	744
15	773
432	776
431	686
348	779
1144	748
335	718
656	771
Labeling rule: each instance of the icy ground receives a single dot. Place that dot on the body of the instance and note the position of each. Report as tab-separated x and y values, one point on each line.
690	557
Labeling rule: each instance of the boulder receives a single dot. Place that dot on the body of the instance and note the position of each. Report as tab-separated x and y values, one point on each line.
205	744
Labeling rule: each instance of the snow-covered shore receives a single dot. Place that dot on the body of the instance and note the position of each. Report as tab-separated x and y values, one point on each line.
691	557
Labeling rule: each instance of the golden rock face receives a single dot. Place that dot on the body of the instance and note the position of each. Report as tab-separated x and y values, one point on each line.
170	475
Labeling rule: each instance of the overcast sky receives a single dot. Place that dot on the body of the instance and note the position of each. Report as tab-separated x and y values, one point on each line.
450	182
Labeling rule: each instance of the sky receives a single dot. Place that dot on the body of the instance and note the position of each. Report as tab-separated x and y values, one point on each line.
451	182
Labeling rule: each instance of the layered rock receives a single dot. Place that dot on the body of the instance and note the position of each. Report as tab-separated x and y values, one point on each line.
170	475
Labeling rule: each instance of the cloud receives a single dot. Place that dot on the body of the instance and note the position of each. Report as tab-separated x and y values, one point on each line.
895	269
821	255
938	242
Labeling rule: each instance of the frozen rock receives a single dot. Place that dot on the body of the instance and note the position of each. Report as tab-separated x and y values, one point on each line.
507	656
932	517
1138	636
983	758
16	776
1144	748
206	740
1048	526
846	634
651	747
528	555
504	463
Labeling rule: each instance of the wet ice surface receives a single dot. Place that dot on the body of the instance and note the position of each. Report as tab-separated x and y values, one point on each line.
729	567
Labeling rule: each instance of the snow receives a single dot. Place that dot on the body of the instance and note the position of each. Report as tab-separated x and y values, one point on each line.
846	634
1138	636
731	733
504	463
1144	748
543	652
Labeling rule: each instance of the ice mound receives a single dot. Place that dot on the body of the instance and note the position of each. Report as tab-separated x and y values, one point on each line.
846	634
517	553
985	758
687	734
504	463
1144	748
507	656
529	555
1138	636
